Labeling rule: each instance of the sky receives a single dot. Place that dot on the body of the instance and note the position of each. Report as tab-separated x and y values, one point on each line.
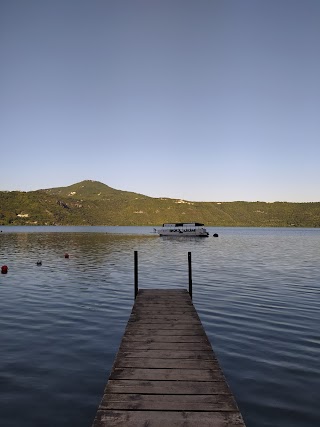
203	100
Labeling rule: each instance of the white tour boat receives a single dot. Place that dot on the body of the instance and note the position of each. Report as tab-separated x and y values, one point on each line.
183	229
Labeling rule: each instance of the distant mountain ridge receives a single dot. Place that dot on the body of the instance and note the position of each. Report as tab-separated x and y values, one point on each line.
90	189
94	203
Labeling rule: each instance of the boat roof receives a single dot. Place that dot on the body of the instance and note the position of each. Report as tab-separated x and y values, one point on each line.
183	224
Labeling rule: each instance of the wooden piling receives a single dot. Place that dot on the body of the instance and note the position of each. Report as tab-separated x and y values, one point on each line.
190	274
135	274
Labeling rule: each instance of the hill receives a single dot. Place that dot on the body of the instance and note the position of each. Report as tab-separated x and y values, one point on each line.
94	203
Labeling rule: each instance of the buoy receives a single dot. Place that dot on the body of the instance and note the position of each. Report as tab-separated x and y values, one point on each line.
215	235
66	255
4	269
39	262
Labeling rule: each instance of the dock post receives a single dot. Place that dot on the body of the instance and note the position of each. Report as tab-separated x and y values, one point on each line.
135	274
190	274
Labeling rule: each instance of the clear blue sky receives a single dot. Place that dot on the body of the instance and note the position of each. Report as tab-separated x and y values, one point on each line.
213	100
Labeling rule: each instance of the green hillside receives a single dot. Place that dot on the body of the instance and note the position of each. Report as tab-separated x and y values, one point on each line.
94	203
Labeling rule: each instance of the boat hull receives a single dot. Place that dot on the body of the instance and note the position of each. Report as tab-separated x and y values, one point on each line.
182	235
182	230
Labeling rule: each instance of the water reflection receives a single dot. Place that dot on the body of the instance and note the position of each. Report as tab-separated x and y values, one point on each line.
256	290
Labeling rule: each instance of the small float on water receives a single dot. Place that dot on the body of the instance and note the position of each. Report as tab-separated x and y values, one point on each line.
4	269
183	229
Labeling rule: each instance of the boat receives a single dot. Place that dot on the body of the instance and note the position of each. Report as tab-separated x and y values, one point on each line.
183	229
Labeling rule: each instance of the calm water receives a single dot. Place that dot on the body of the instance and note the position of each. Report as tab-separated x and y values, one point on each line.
257	292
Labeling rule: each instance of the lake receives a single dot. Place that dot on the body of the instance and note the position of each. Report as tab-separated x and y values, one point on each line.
257	292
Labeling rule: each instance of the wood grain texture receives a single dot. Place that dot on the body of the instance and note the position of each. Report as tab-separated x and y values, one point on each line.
165	373
126	418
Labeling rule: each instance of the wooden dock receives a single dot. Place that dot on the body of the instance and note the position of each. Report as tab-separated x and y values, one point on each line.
165	373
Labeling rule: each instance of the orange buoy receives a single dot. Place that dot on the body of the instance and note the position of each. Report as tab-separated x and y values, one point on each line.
66	255
4	269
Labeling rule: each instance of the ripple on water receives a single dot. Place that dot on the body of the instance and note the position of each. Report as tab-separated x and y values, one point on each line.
256	291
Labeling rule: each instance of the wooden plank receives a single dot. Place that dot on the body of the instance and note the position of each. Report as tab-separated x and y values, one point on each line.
166	315
147	362
137	330
165	319
129	418
169	299
165	354
167	387
172	324
174	306
165	292
175	329
166	373
148	374
174	346
165	302
211	402
163	338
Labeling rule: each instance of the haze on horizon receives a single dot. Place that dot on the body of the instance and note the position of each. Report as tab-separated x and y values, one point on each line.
201	100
